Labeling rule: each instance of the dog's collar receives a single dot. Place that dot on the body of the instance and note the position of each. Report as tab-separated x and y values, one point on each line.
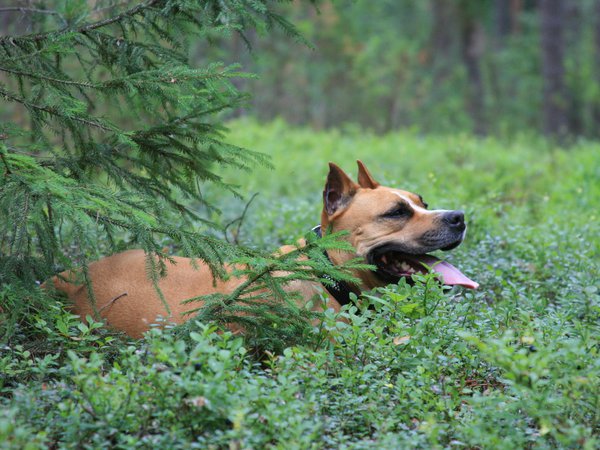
340	290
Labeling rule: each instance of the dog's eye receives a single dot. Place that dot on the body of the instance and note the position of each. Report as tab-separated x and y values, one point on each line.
401	210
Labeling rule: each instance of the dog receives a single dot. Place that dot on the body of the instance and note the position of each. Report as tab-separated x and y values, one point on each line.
389	228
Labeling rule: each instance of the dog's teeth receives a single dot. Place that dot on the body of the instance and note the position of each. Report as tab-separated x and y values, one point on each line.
384	259
405	267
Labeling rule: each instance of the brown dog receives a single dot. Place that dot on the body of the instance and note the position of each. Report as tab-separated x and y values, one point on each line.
389	228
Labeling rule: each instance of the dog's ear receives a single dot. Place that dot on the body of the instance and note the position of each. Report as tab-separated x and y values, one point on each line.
365	180
339	190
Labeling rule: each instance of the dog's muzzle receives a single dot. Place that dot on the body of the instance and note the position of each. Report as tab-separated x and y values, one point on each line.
398	260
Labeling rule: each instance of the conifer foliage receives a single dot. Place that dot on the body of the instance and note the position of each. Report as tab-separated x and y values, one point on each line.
113	133
113	129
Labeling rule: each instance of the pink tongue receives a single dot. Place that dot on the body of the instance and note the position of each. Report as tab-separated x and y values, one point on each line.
451	276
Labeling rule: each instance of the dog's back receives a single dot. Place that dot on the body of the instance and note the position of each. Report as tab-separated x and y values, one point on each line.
126	297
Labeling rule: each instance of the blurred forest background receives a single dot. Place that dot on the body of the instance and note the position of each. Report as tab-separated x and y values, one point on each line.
484	66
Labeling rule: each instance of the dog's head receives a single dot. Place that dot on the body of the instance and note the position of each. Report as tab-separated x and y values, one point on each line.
390	228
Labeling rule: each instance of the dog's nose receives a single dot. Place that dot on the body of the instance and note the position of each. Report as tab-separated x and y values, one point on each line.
455	220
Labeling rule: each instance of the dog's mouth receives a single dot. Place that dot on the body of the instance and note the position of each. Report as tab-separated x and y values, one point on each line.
392	265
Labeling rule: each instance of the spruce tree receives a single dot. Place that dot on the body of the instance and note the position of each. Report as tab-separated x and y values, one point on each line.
115	128
109	132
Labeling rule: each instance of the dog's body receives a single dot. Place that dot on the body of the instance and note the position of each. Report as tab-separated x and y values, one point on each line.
389	228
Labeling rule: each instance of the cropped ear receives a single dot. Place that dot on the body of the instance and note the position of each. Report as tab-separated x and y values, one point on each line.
365	180
339	190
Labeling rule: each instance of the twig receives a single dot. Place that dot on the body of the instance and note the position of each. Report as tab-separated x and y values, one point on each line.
41	77
240	221
7	95
131	12
112	301
92	26
8	171
98	9
25	9
88	409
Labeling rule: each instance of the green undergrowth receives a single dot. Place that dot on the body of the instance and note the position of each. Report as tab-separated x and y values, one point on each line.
514	364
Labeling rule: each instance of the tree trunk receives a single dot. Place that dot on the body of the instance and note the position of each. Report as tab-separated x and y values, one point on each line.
443	40
472	48
239	54
596	100
574	94
516	7
442	33
503	20
554	113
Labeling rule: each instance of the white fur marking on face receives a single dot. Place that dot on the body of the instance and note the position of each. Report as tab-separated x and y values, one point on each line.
424	210
403	197
410	202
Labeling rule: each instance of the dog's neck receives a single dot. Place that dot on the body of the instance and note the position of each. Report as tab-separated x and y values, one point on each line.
368	279
340	290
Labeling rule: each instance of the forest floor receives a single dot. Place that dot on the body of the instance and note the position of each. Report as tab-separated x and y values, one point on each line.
514	364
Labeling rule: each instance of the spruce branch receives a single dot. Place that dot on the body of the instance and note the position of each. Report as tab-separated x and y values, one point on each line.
25	9
91	26
268	274
54	112
80	185
38	76
239	220
3	149
129	13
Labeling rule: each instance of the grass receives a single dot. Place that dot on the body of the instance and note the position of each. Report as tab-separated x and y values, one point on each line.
513	365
